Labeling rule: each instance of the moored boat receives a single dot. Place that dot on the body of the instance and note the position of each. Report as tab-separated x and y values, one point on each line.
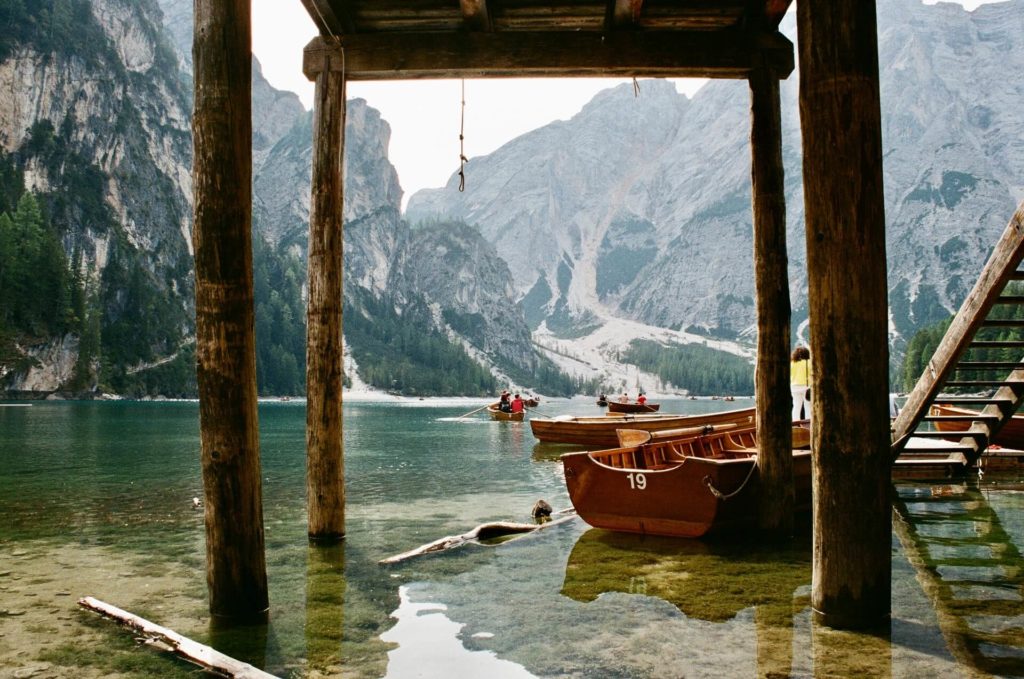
619	407
1011	435
682	487
498	414
600	431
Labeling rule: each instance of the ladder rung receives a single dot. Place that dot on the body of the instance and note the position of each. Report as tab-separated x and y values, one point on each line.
1010	299
1017	276
996	344
984	383
950	434
966	400
932	450
960	418
989	365
1003	322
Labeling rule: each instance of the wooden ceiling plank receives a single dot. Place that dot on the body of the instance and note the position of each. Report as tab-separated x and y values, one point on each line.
330	16
475	15
401	56
626	13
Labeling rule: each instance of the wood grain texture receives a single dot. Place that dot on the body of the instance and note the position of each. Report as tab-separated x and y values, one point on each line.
999	270
399	56
845	231
225	332
771	278
325	467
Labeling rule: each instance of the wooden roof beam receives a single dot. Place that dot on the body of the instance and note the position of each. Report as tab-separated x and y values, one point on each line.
623	14
331	18
475	15
694	54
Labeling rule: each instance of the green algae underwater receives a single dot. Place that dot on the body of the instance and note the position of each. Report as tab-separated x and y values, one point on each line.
96	499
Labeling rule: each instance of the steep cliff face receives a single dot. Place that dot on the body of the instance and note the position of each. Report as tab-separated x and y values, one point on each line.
640	207
97	119
97	124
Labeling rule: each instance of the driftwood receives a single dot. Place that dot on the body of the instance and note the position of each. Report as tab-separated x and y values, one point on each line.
485	531
165	639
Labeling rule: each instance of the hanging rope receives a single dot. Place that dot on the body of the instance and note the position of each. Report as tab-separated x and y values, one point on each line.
462	136
636	88
723	496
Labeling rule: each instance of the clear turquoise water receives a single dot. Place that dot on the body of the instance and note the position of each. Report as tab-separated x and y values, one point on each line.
113	483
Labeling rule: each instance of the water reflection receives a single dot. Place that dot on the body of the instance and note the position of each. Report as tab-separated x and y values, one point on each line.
970	569
712	581
325	606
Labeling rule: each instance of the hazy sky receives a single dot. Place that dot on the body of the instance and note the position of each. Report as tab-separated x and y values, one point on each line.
424	115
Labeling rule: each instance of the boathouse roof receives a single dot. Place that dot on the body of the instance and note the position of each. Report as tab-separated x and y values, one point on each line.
409	39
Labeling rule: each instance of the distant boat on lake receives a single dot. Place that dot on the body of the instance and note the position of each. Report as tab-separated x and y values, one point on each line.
619	407
680	487
498	414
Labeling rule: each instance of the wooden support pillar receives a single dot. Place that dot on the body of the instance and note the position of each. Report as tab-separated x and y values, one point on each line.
845	229
225	331
324	62
774	427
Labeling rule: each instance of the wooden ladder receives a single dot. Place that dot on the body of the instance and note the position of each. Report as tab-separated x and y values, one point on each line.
953	366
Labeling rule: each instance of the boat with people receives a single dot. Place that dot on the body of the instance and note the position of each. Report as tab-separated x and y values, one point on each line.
619	407
687	486
1010	435
497	413
600	430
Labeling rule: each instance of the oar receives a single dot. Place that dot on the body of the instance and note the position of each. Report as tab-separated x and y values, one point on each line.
488	405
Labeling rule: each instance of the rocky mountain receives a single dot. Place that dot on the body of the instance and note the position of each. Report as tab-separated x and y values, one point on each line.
638	208
97	125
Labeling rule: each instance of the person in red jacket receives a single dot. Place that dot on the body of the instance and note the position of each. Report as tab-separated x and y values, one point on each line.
517	404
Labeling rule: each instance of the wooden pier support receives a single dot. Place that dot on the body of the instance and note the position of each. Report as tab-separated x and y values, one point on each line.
771	274
324	62
845	230
225	332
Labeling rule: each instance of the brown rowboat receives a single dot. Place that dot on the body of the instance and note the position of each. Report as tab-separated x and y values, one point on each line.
684	487
618	407
1011	435
600	431
498	414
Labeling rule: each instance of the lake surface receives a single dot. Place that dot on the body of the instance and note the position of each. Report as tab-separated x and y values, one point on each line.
96	499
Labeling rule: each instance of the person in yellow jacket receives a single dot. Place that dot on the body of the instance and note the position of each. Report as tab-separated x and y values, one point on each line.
800	382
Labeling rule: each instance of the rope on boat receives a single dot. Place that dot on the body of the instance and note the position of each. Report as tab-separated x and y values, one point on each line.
728	496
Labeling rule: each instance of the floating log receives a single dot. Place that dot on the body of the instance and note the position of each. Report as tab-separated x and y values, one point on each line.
166	639
485	531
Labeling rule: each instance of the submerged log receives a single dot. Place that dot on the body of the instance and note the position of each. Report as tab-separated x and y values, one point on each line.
169	640
485	531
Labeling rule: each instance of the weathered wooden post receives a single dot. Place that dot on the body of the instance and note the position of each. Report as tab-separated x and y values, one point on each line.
845	229
225	333
324	62
775	458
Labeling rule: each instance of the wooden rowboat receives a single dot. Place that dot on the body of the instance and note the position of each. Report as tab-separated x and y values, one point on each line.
600	431
617	407
1011	435
685	487
498	414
